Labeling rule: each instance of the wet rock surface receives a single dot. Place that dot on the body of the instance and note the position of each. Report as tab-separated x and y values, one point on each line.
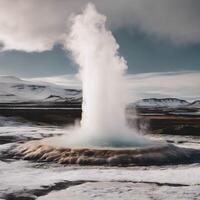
165	154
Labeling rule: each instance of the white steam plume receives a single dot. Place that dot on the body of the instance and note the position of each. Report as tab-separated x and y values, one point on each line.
102	70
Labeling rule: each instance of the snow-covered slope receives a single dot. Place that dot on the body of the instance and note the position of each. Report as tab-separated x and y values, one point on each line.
195	104
166	102
14	90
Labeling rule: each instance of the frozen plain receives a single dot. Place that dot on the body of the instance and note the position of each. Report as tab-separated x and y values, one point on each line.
29	180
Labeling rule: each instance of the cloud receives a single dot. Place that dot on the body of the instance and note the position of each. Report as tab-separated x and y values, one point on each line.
1	45
66	81
36	25
31	25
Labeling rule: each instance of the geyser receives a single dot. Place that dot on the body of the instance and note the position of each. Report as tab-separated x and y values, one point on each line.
104	91
104	99
104	86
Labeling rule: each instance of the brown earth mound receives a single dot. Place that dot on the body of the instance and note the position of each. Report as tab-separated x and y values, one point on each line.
159	155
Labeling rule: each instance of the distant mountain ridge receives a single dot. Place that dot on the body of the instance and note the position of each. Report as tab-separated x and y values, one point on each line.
16	90
195	104
166	102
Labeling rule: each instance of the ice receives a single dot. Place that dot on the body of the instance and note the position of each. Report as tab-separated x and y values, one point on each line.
124	191
22	174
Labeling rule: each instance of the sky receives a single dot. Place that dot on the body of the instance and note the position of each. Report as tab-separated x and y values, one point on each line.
154	35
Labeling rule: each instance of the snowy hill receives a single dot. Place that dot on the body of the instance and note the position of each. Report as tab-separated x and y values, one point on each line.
161	103
15	90
195	104
165	103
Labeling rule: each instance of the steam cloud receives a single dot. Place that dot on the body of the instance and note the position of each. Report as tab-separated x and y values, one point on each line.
95	51
104	85
36	25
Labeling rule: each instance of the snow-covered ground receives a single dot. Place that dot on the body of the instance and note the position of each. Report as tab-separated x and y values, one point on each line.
102	182
23	178
124	191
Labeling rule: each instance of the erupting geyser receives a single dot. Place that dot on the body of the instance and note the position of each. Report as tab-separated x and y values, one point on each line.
103	123
102	71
